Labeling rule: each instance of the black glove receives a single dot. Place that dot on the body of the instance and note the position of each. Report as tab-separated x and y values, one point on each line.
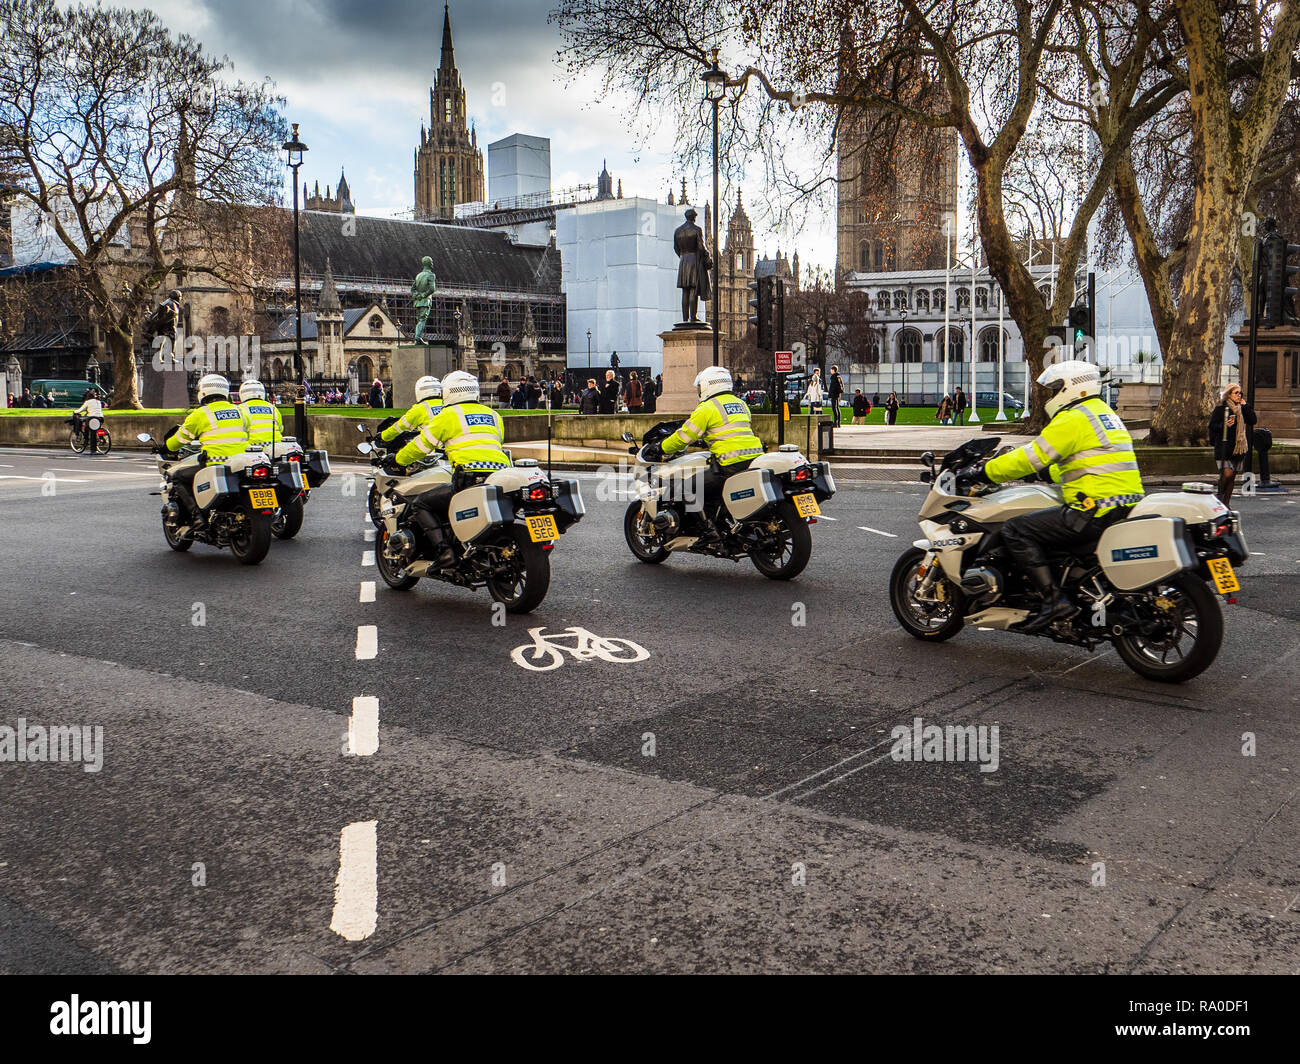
980	474
391	466
653	452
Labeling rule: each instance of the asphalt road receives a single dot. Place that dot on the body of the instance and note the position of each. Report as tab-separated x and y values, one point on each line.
726	803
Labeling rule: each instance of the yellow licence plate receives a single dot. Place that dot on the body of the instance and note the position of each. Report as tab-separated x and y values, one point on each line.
305	485
543	529
1224	578
263	498
807	506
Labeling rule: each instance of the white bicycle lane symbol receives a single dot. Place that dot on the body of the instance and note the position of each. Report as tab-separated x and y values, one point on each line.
547	652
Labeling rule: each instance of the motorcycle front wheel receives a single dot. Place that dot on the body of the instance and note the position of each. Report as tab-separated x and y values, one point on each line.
1187	631
932	622
177	542
648	549
390	572
251	543
527	575
792	546
372	504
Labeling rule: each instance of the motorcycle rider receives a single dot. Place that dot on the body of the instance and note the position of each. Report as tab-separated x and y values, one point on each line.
1088	451
218	426
428	405
472	436
723	423
90	407
262	420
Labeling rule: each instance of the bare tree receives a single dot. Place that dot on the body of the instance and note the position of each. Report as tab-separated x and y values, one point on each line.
141	155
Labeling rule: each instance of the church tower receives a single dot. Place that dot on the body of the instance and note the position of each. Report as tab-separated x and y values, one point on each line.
448	162
735	271
329	328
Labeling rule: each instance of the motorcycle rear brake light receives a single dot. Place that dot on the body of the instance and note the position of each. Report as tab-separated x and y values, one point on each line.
802	474
260	471
548	546
538	493
1223	528
295	458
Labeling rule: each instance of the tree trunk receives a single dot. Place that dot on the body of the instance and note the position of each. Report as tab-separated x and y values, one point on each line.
121	345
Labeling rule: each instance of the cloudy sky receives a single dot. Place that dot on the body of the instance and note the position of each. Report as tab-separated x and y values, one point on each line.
357	78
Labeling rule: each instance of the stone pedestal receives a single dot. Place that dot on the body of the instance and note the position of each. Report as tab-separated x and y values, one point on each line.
163	389
1136	402
1277	378
686	352
410	362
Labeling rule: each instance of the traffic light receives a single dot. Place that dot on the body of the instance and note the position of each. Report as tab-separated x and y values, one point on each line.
1275	265
1077	326
761	306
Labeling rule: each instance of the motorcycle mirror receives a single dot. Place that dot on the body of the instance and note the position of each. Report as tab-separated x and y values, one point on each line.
364	448
361	428
628	438
927	459
144	437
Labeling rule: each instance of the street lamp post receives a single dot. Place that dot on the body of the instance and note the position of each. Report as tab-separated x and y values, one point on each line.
294	149
715	88
902	350
974	343
589	350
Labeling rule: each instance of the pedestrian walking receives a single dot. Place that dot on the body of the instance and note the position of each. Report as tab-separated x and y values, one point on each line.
814	395
1232	428
891	409
835	389
944	413
609	393
635	394
377	395
860	408
503	392
649	397
590	401
959	405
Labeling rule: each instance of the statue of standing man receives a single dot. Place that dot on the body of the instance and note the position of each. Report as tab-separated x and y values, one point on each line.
422	291
693	265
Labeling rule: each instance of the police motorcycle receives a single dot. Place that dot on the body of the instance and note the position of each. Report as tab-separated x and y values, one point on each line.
237	498
1144	588
503	525
286	453
765	516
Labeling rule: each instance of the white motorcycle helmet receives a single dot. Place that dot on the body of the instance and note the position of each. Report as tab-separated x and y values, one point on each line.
713	381
428	388
1068	382
459	387
251	389
213	384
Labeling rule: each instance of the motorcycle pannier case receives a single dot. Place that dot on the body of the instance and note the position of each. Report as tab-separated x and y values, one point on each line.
475	510
212	484
1139	551
748	492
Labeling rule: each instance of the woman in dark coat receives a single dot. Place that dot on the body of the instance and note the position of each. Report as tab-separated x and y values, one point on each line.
1232	425
649	396
891	409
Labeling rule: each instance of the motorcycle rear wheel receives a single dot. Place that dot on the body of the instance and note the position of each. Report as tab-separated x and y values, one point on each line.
1193	612
250	546
524	588
796	547
288	520
922	620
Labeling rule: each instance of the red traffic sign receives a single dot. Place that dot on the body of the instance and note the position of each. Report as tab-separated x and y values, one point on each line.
784	361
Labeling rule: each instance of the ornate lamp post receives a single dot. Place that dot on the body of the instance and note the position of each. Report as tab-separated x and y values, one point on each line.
294	149
715	88
588	349
902	350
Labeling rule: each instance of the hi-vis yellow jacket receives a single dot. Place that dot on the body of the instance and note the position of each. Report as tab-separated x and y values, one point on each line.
416	418
470	434
218	426
1087	450
261	421
723	423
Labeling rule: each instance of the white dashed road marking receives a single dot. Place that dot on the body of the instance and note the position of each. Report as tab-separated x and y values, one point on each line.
367	591
363	726
367	642
877	531
356	891
368	557
370	535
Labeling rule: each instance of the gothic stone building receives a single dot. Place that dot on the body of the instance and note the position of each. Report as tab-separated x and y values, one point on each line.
448	162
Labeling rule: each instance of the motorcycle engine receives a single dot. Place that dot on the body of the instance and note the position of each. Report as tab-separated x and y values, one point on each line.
982	584
667	522
400	547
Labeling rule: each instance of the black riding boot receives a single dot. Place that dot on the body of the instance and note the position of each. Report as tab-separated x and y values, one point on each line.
443	557
1056	604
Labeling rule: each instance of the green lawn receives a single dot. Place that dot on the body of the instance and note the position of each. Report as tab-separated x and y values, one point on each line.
909	415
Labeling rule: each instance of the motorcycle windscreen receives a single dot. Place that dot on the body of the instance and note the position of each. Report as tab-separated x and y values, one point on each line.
1137	552
475	510
748	492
